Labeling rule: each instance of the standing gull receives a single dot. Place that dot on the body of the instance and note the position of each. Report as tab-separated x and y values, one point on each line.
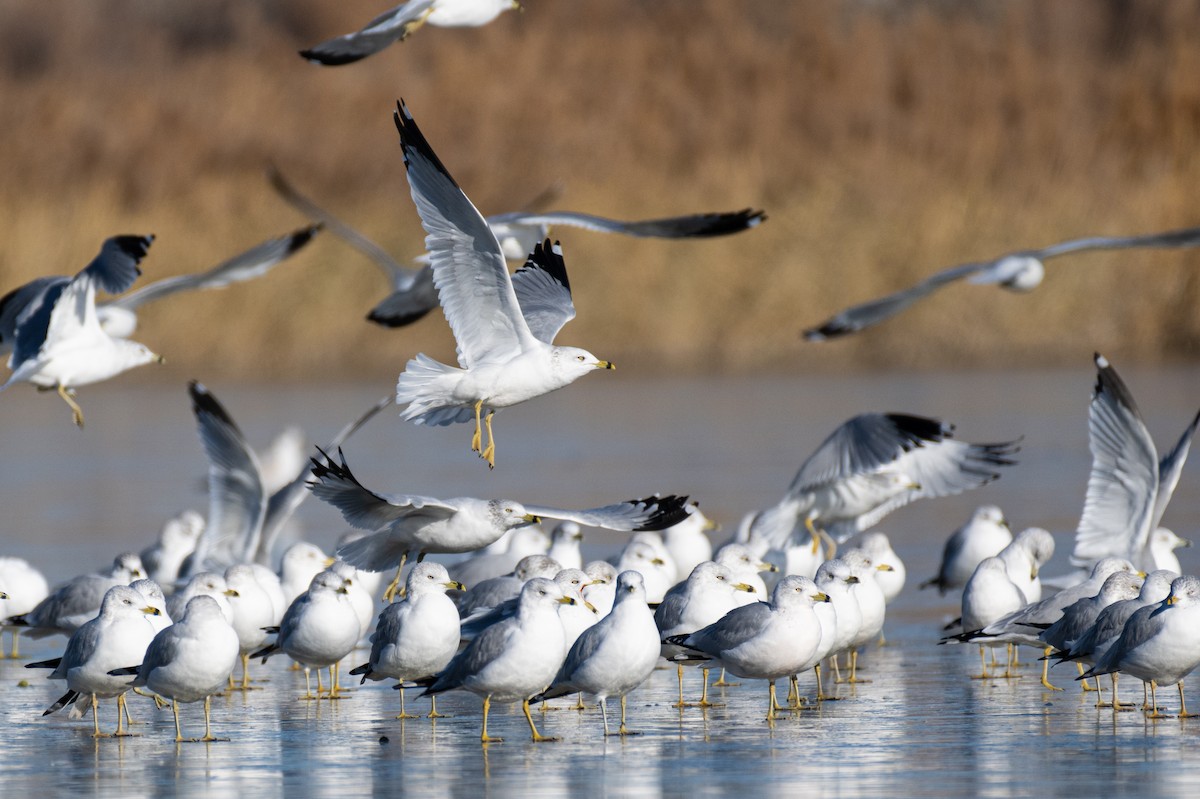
58	343
503	325
983	536
515	659
1018	271
402	525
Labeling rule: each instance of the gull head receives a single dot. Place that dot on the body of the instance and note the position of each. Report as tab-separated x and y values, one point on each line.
573	362
505	514
134	354
1014	272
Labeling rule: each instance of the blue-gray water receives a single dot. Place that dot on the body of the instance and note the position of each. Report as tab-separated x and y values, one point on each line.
71	499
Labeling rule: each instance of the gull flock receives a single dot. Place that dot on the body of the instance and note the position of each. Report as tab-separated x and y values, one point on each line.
516	616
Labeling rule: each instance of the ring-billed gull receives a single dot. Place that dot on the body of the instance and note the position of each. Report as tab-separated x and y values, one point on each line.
575	617
688	543
709	592
871	465
1159	645
203	584
318	630
301	562
1129	486
71	604
1024	557
764	641
601	591
396	24
871	604
57	341
253	611
490	593
513	660
26	587
504	325
615	655
983	536
164	558
118	635
565	540
244	520
412	291
1079	617
118	317
890	572
509	549
989	595
1018	271
402	525
418	636
190	660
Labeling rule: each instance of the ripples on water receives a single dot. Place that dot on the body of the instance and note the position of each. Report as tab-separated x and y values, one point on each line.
72	499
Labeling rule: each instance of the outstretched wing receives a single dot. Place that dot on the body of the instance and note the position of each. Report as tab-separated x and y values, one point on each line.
651	513
237	503
377	34
253	263
1169	469
469	269
361	507
1123	485
543	291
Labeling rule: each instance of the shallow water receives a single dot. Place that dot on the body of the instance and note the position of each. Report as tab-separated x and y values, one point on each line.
72	499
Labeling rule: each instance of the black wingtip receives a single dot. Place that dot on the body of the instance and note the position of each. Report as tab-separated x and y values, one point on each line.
125	671
303	236
549	258
396	320
412	140
203	402
330	58
669	511
1109	382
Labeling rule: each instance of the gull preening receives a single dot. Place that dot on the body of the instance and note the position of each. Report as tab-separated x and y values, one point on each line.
1019	271
412	291
503	325
54	330
396	24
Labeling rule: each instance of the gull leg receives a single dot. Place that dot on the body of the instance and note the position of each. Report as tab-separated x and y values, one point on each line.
433	714
76	411
771	704
308	694
983	673
416	23
830	544
723	683
820	691
389	593
403	713
178	732
489	452
579	705
1183	713
15	635
208	736
1084	683
122	712
537	736
159	702
476	442
1154	714
604	715
487	705
704	692
854	667
679	674
1046	671
816	537
623	730
96	719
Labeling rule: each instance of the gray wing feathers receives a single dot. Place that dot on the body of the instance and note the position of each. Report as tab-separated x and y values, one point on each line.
361	507
733	629
675	227
1169	470
543	292
388	27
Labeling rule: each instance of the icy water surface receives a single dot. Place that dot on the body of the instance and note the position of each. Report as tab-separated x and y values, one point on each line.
72	499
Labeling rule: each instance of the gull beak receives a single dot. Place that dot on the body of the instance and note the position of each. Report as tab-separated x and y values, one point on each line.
749	589
567	601
1187	542
914	486
343	589
590	606
455	584
3	595
883	567
329	562
709	524
1033	574
159	359
821	596
516	4
1142	575
658	561
767	567
851	580
529	518
231	592
149	611
1171	599
598	581
605	365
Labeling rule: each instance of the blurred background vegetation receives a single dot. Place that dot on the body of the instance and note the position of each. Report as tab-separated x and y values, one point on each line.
884	139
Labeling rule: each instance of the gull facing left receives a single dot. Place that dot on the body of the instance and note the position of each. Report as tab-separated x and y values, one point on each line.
503	325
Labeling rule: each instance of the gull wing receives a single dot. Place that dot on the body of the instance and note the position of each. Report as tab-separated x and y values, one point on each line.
651	513
390	26
733	629
868	314
284	502
253	263
1120	502
1185	237
1169	470
20	300
237	503
469	269
68	308
363	508
543	291
527	227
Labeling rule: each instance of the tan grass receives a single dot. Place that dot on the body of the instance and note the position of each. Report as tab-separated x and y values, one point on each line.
885	140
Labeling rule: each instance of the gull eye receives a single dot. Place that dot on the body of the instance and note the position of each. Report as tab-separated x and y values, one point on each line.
720	577
579	357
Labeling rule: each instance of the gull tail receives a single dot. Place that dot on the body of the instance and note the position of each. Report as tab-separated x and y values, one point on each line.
423	386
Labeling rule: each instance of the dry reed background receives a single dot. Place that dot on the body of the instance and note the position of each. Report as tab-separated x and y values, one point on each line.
885	140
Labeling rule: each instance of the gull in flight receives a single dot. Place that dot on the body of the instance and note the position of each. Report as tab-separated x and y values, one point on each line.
871	465
396	24
1129	486
405	524
413	293
503	324
57	341
1019	271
